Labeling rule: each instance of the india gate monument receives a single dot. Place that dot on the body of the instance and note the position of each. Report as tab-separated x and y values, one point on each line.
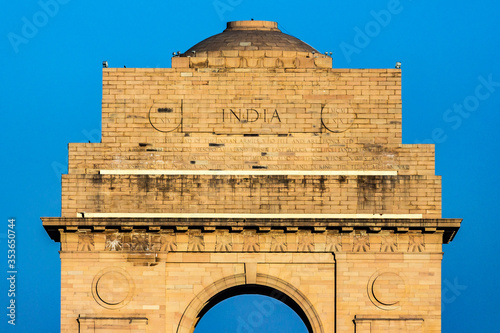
251	167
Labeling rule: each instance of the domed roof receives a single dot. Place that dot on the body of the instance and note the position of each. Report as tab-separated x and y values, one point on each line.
251	36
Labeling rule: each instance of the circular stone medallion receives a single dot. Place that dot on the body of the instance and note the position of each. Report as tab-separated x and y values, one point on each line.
112	288
386	290
165	116
337	117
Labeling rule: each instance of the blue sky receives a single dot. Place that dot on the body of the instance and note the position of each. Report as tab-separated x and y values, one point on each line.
50	94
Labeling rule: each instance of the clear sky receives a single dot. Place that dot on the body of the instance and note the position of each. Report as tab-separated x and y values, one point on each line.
50	94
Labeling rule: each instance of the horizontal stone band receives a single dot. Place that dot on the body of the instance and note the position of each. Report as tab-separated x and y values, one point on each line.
249	172
250	216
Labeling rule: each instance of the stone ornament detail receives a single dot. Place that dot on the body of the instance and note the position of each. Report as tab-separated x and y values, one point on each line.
306	242
126	242
129	242
333	243
140	242
251	242
361	243
112	288
224	243
85	241
416	243
168	242
196	242
113	242
386	290
389	243
279	243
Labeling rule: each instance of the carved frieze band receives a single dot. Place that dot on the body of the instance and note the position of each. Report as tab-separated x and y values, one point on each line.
251	241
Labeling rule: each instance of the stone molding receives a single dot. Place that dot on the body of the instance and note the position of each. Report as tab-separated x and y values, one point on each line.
448	227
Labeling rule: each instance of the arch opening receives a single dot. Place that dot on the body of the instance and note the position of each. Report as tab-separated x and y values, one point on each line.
265	302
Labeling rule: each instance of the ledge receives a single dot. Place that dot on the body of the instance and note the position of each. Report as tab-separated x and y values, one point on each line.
449	227
400	318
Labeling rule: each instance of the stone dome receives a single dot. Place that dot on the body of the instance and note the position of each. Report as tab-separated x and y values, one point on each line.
250	36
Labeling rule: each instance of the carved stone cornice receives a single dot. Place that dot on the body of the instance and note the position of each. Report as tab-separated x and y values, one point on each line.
53	225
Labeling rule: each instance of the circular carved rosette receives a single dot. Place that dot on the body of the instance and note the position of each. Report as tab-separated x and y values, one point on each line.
337	117
112	288
165	116
386	290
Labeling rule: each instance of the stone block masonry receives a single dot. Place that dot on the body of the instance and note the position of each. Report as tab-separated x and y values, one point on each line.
251	166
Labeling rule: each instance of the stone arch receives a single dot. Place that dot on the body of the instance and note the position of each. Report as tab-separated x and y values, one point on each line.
236	285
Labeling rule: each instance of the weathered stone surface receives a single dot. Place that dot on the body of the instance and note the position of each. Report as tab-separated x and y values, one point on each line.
251	166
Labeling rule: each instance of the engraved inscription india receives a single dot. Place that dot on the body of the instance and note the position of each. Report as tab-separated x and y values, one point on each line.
184	117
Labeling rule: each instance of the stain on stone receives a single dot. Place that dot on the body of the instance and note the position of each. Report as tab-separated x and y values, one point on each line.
232	181
97	179
321	184
304	181
367	183
373	148
97	202
166	183
216	144
165	110
111	180
381	150
373	190
144	183
215	182
196	179
279	180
